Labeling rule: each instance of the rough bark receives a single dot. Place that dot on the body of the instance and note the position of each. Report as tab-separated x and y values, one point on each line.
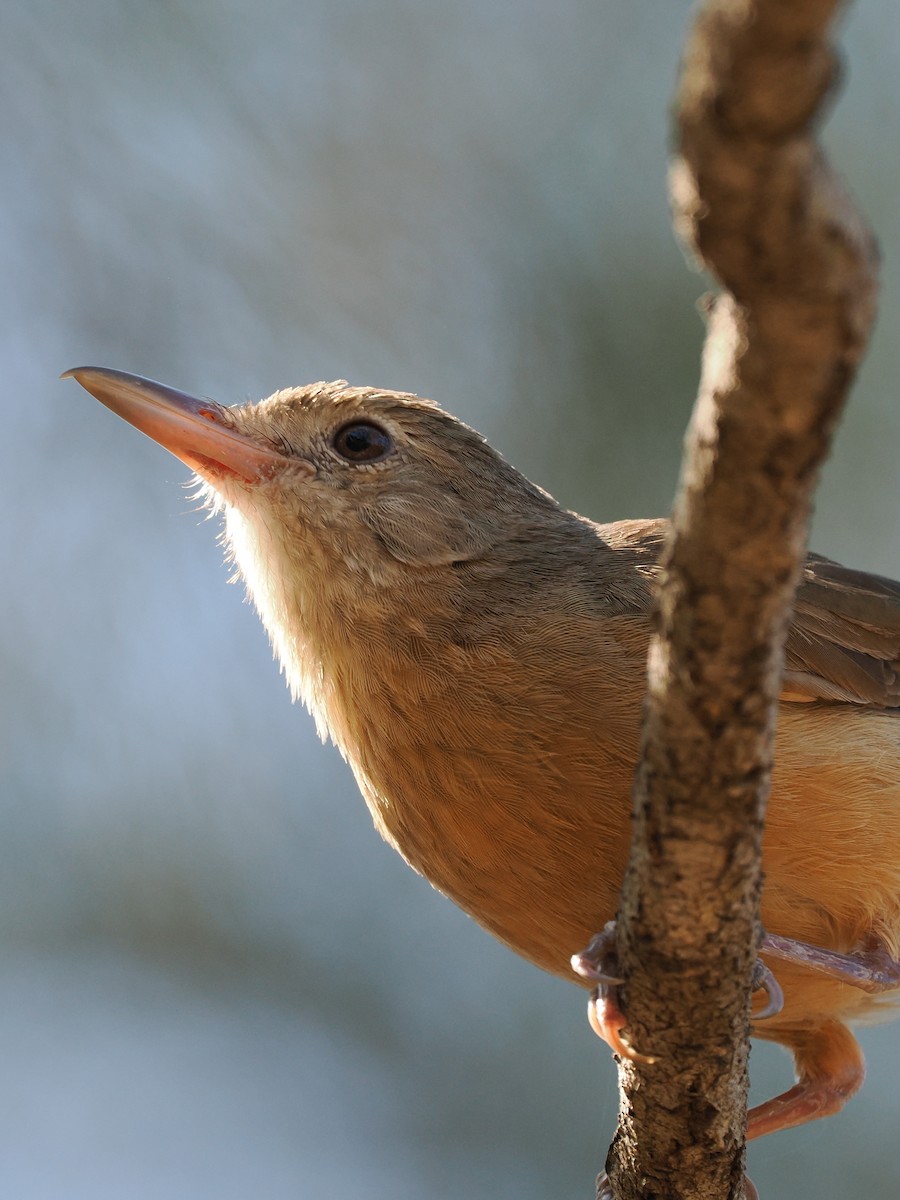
753	196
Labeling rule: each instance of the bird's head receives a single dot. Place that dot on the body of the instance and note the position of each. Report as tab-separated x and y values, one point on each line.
336	498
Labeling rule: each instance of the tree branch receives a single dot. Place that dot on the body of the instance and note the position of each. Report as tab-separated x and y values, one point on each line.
753	196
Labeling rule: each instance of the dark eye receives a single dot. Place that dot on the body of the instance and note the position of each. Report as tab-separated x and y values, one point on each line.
362	442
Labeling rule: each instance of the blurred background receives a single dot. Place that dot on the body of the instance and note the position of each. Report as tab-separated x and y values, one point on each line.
216	981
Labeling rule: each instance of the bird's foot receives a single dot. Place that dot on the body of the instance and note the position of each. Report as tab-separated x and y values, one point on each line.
605	1192
607	1021
598	960
872	969
598	963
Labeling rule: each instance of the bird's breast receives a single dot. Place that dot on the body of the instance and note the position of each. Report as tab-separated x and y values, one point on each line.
502	773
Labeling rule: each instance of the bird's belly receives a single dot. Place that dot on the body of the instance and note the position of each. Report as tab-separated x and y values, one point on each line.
534	846
832	841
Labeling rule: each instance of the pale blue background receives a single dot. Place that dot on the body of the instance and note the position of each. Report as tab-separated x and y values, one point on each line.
216	981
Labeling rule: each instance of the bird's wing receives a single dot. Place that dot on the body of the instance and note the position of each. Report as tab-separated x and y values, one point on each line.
844	641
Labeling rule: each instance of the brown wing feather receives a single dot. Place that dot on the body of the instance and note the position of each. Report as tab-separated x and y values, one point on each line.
844	643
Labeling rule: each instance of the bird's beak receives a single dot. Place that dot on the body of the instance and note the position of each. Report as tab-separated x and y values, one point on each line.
199	432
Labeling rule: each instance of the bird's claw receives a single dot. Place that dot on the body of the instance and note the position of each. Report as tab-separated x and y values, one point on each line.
597	960
764	980
607	1021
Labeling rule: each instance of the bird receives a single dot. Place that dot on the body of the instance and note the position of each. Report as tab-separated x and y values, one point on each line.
477	654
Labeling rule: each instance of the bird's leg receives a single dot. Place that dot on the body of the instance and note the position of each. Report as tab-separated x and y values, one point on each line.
830	1069
872	969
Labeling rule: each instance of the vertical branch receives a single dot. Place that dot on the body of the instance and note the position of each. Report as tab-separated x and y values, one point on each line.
753	196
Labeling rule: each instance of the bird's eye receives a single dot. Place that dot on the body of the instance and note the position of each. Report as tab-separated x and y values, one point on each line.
362	442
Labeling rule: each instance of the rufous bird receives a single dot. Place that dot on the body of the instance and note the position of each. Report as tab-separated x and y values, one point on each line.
477	653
